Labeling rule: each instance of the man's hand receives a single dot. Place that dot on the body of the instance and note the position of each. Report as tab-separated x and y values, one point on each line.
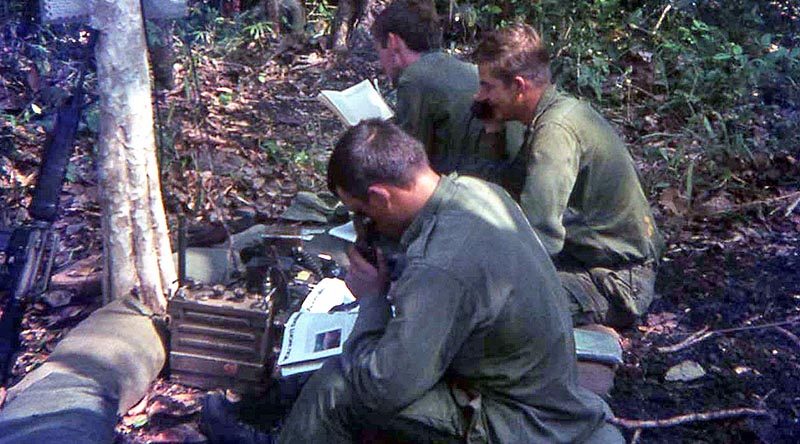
363	279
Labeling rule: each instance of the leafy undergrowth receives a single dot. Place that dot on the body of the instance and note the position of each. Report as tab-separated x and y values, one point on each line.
242	133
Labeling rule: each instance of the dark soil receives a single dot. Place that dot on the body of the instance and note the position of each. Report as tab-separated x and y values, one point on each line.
739	276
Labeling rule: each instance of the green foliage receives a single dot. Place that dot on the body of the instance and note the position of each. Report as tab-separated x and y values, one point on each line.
205	26
320	14
258	31
274	150
301	157
707	71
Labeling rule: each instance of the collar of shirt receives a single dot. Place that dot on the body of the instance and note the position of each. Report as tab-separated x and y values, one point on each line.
443	191
548	98
425	59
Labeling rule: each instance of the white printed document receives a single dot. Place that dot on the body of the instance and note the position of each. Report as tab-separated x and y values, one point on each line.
354	104
312	334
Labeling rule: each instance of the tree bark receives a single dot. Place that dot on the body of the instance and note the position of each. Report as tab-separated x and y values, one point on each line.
348	15
274	14
342	24
162	57
137	254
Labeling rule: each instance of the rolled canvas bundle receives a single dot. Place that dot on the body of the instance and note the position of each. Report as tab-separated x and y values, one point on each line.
101	369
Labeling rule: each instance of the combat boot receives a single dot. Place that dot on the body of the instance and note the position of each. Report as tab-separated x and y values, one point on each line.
219	421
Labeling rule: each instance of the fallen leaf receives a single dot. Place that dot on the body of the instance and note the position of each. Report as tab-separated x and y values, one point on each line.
73	229
139	408
135	421
662	318
57	298
183	433
715	205
673	202
740	370
187	398
685	371
63	314
158	406
174	406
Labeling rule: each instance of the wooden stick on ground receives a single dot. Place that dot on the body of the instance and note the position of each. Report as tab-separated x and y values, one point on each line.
791	207
755	203
691	340
684	419
792	337
705	334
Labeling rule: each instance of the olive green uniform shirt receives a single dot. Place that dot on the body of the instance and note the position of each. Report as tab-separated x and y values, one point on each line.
478	302
434	96
578	186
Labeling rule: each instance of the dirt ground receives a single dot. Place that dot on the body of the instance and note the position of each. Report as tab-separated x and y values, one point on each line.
251	134
737	277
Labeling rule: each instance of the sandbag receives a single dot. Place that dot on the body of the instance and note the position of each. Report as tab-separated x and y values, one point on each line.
102	368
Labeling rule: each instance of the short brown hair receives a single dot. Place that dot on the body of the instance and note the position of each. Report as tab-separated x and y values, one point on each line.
414	21
514	51
374	151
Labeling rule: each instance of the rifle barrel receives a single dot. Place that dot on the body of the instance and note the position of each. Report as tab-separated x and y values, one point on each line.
57	152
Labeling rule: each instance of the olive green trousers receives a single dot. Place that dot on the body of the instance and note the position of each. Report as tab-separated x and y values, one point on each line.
613	297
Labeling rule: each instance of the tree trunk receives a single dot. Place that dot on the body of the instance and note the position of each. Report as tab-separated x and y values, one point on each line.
274	14
137	254
162	57
342	25
349	14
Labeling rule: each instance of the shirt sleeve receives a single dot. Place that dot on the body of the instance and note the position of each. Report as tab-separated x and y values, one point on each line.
551	173
391	366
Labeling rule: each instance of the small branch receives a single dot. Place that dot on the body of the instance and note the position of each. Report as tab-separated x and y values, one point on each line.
661	19
654	31
791	207
756	203
637	435
683	419
644	91
691	340
704	334
790	321
792	337
565	38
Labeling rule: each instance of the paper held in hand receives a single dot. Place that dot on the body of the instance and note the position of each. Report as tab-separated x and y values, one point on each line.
354	104
312	334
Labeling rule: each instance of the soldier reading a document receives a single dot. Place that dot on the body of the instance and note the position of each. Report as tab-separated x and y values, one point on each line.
434	89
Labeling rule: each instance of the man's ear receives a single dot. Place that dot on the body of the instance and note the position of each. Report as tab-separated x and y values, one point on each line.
395	42
379	196
520	85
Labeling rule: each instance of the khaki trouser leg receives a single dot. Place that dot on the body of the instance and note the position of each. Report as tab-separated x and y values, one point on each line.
327	411
610	297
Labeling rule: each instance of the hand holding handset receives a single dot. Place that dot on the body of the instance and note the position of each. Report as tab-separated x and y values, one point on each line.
366	238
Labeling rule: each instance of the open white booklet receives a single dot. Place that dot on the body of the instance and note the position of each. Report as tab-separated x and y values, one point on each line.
356	103
312	334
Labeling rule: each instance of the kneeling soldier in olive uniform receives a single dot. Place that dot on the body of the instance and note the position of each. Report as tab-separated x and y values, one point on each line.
471	341
576	183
